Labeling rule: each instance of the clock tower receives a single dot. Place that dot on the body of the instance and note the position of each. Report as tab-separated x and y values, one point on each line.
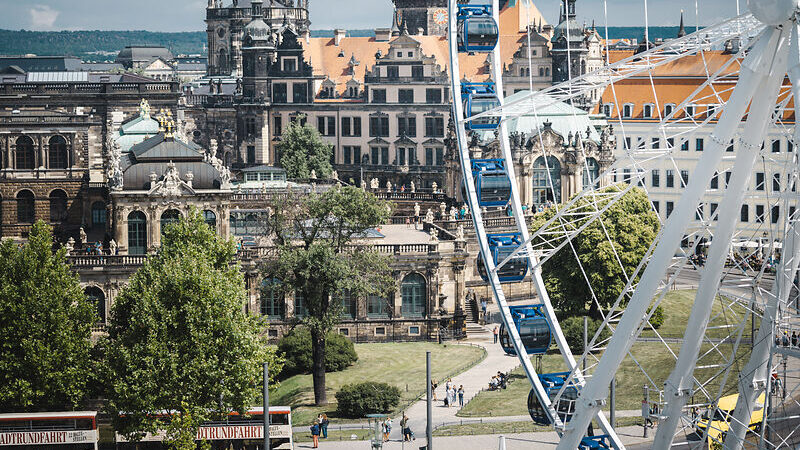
430	16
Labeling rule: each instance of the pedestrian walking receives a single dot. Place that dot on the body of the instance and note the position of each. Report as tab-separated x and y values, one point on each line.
387	429
794	339
323	423
496	332
315	434
408	435
451	396
461	396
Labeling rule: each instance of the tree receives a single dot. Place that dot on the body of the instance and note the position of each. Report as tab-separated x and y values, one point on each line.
631	225
318	258
303	150
179	339
45	324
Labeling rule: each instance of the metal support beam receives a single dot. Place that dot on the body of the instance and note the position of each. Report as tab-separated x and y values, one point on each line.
679	386
592	396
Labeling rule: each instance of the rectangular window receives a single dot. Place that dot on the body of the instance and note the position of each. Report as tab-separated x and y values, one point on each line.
375	155
656	142
289	64
713	210
344	331
776	146
670	143
321	125
627	143
699	212
356	126
429	156
670	206
331	126
300	93
384	155
759	181
698	144
730	147
405	96
379	126
775	214
626	175
791	212
250	126
379	96
346	121
279	93
656	205
776	182
433	96
377	307
356	155
392	72
407	126
685	146
413	331
744	214
434	127
670	178
347	154
251	153
715	181
417	73
727	178
439	156
401	156
760	213
684	178
380	331
277	127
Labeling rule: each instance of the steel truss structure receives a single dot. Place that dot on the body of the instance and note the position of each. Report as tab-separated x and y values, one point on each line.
752	95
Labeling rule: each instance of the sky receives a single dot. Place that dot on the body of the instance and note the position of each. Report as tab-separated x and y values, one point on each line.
188	15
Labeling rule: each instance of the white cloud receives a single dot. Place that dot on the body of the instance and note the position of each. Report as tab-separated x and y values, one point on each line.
43	17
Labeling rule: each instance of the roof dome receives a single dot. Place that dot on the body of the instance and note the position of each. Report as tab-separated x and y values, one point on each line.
569	28
257	29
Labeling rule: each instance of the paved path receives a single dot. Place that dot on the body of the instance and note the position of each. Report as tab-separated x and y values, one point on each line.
526	441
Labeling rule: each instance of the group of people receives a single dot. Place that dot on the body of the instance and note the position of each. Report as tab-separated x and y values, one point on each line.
498	381
451	393
784	340
319	427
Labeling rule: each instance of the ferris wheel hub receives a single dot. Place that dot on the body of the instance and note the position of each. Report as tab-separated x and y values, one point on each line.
773	12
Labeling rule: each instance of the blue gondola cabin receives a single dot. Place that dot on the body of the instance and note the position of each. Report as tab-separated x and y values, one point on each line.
477	29
477	98
491	182
533	328
565	407
501	246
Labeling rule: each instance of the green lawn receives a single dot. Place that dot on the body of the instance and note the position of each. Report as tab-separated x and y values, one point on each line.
678	304
653	356
399	364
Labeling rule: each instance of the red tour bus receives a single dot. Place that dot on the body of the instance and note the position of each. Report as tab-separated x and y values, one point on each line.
74	430
236	431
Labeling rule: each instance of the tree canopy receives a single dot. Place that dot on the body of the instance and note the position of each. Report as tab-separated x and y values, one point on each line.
319	258
45	324
631	225
179	338
302	150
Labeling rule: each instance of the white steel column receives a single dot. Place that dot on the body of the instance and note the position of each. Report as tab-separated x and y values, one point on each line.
592	396
679	386
477	219
753	378
522	228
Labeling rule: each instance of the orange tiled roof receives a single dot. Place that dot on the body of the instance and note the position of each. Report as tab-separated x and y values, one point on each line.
673	83
324	55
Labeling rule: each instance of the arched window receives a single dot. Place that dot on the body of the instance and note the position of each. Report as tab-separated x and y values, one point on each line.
169	217
542	176
58	205
272	302
378	307
137	233
98	299
25	157
57	155
413	292
99	215
222	62
26	207
591	171
348	302
210	219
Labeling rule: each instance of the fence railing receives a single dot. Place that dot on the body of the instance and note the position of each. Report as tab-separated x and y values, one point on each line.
106	260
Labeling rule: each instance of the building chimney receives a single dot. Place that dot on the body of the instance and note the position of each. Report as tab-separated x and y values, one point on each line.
383	34
338	35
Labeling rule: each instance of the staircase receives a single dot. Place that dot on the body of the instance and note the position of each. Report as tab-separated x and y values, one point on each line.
471	310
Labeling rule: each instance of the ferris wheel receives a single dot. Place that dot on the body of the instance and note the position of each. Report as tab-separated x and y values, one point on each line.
722	389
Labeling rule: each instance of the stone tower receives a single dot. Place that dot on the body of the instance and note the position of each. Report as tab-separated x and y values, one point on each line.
225	28
430	16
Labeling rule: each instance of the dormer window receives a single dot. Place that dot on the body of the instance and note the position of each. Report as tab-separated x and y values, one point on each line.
711	110
647	111
627	110
668	109
399	54
690	109
289	64
608	108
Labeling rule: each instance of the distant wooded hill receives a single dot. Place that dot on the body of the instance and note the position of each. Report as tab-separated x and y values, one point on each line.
104	45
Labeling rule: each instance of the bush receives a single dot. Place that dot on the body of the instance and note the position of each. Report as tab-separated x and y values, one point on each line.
358	400
296	348
573	332
657	319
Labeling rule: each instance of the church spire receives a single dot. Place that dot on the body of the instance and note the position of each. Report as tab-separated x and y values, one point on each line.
681	30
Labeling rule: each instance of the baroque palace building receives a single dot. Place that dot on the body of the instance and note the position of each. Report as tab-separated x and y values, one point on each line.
112	158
